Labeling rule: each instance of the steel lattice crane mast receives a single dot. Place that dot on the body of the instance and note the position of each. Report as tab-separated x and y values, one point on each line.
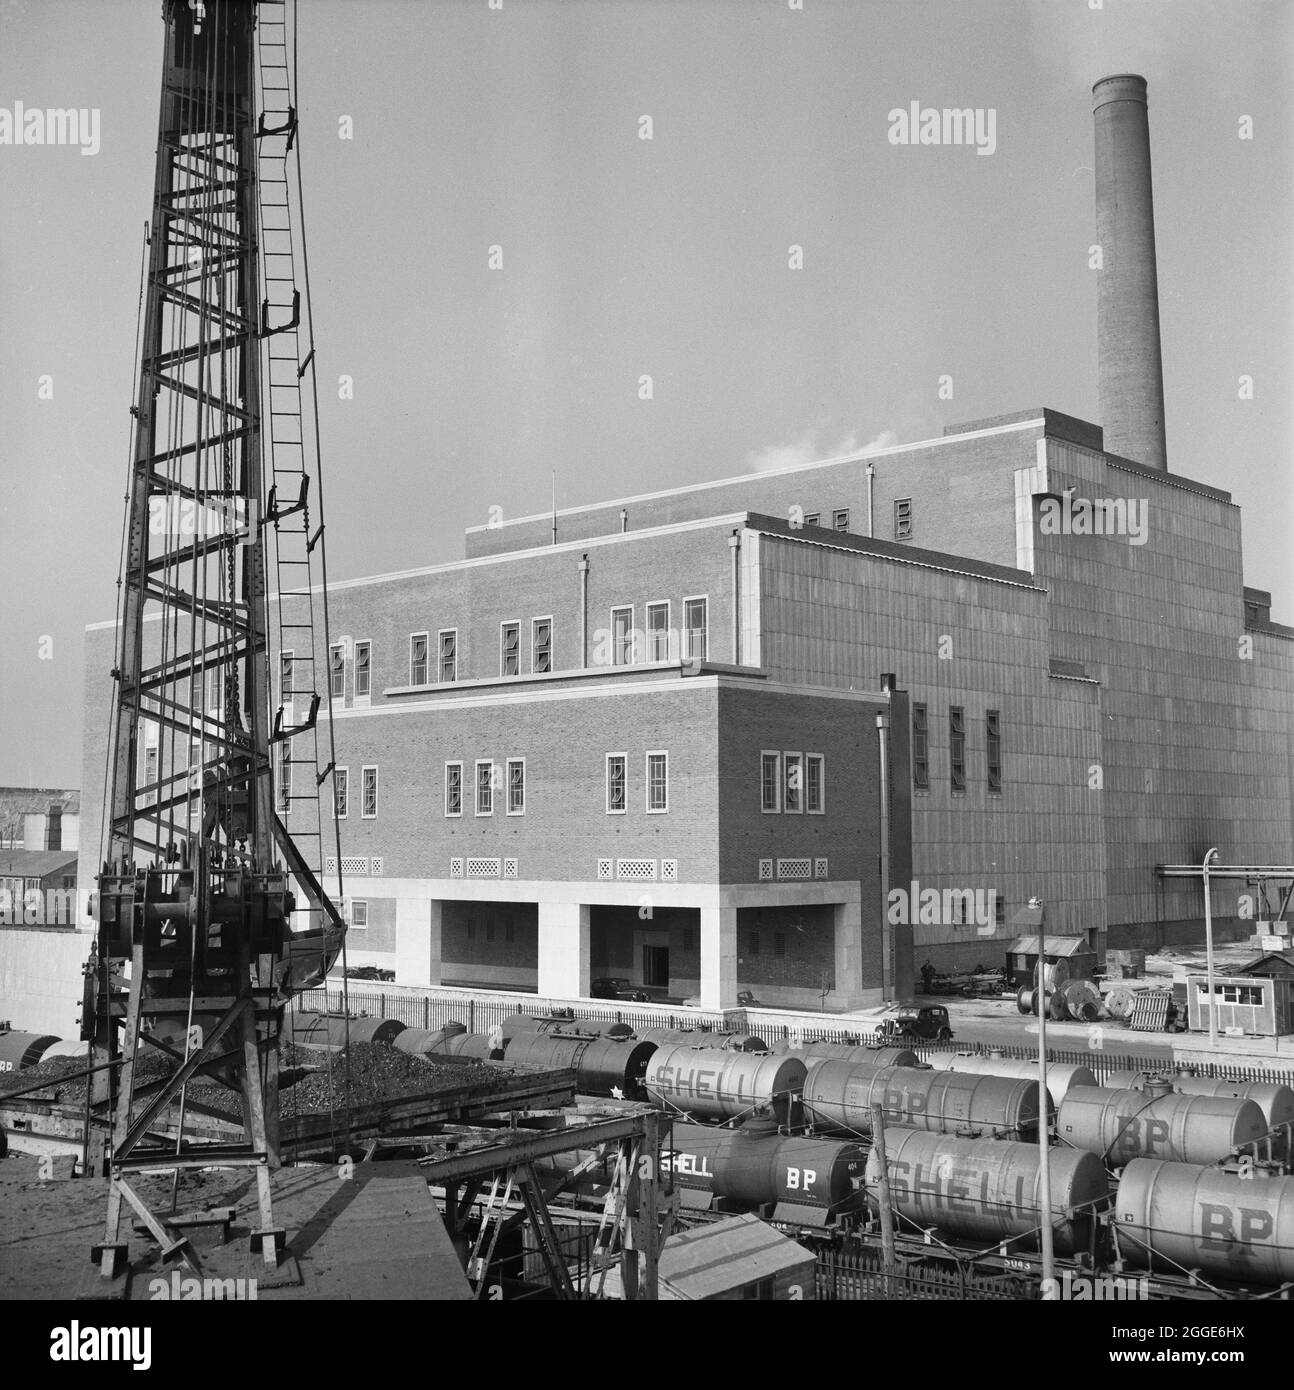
202	882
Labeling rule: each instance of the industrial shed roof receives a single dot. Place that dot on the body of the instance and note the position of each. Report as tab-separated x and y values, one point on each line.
35	863
727	1254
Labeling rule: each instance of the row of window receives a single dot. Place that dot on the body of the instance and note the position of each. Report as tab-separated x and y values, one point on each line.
791	783
658	641
956	748
341	788
840	519
489	784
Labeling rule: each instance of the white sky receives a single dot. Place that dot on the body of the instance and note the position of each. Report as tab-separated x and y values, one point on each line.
623	257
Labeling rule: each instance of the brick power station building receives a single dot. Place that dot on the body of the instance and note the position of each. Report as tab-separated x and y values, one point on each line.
692	738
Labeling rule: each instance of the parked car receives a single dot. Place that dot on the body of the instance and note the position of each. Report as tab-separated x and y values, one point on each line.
616	987
909	1023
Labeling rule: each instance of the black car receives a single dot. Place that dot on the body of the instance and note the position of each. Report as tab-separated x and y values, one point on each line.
616	987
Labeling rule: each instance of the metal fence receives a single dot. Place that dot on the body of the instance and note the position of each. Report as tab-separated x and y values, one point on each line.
480	1010
854	1274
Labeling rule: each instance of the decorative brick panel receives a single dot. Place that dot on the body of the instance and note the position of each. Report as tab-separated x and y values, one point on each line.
482	868
604	870
354	864
669	870
636	870
456	867
820	867
765	870
794	868
509	868
375	866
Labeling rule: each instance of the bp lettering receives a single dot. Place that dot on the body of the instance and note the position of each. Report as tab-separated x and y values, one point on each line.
800	1179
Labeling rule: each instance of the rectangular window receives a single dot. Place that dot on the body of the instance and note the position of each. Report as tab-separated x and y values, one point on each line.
453	789
840	519
541	646
993	731
779	943
658	631
999	912
752	943
813	518
793	798
920	749
359	913
815	784
657	782
510	649
368	793
694	629
341	791
285	777
363	669
215	683
903	519
285	678
770	782
485	788
622	636
418	659
337	670
957	747
449	654
616	803
516	786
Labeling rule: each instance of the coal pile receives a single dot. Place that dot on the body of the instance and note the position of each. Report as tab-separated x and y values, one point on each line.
368	1072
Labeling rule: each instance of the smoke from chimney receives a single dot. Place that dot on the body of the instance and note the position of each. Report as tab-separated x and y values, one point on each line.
1129	366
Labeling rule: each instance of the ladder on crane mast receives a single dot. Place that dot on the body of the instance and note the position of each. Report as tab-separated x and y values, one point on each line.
201	883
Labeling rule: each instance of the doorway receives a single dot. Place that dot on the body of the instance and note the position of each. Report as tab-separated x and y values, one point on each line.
656	966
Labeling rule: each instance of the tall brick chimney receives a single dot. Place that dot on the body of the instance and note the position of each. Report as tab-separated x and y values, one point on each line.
1130	370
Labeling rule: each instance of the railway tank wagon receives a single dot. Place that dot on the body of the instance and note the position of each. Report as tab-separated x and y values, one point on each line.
326	1030
422	1041
696	1037
516	1025
720	1085
1174	1216
989	1190
1273	1099
1061	1076
484	1047
838	1095
603	1066
811	1181
857	1053
18	1051
1120	1125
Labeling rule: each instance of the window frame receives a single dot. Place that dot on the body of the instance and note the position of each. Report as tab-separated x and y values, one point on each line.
287	676
921	732
836	514
813	518
477	765
788	809
455	763
655	605
440	656
629	636
956	742
647	791
776	755
903	519
686	632
504	673
341	811
334	671
534	646
821	761
509	764
426	657
367	693
283	779
358	903
363	791
624	784
993	751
